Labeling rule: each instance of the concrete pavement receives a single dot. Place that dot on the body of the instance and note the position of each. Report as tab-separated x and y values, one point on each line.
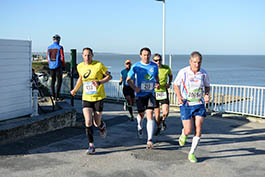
228	148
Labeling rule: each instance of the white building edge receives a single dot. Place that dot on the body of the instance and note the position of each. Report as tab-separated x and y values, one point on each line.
15	78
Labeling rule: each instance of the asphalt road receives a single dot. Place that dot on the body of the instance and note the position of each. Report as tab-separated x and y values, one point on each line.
228	148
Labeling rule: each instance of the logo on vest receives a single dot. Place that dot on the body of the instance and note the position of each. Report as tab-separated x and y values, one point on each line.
87	74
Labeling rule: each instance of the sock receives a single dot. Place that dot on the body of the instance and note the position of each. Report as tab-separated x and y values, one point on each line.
195	142
183	133
140	123
150	129
130	110
89	133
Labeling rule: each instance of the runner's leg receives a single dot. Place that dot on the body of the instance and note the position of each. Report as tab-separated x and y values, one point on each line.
87	112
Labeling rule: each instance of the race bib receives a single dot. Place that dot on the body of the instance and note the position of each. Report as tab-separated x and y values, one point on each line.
195	95
161	95
89	88
147	86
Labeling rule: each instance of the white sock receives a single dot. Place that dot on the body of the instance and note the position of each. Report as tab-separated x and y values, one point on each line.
150	129
140	123
182	132
195	142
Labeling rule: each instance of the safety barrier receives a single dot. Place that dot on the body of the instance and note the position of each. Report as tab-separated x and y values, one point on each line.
244	100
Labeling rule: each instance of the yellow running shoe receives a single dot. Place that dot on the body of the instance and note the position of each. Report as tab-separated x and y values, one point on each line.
192	158
182	139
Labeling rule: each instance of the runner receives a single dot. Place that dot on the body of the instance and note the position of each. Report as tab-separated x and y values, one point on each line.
146	74
92	74
192	87
165	79
128	92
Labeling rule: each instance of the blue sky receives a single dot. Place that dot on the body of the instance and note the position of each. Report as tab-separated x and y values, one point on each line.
125	26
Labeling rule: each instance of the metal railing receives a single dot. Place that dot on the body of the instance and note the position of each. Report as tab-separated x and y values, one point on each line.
244	100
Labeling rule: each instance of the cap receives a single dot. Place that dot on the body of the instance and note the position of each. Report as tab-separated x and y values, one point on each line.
56	37
128	61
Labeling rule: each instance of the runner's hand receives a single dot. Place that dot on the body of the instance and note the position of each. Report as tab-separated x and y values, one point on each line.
157	85
137	90
168	86
73	92
180	100
206	99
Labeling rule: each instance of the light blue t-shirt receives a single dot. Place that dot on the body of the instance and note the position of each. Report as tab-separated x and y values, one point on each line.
145	76
124	74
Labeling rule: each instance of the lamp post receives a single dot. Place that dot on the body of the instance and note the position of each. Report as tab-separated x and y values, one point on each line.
164	29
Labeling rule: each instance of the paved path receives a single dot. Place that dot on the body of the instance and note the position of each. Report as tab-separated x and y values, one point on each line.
228	148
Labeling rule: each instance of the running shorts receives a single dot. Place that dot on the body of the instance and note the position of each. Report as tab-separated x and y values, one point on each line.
187	112
165	101
128	91
145	102
95	105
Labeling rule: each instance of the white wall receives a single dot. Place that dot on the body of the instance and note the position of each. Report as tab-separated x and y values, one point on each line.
15	76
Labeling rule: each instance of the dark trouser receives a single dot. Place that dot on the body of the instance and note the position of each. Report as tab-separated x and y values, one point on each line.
56	74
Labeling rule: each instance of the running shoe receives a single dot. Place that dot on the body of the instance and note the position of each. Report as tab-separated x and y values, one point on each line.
132	119
182	140
103	130
157	131
164	126
192	158
149	144
140	134
91	150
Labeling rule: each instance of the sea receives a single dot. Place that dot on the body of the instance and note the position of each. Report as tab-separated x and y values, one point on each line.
244	70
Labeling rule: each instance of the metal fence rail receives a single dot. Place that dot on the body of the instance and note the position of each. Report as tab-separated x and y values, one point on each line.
244	100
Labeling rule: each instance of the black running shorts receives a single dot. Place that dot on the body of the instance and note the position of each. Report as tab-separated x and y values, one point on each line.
165	101
145	102
95	105
128	91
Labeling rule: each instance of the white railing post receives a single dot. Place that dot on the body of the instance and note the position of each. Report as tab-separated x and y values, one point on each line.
35	93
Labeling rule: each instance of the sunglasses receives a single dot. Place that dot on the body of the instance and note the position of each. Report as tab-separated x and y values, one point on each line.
157	60
127	63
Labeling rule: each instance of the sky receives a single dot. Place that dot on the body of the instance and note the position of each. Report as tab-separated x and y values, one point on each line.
219	27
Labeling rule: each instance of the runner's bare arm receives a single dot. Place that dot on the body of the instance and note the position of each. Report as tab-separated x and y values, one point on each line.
170	78
177	91
206	96
120	81
132	85
157	85
77	85
106	78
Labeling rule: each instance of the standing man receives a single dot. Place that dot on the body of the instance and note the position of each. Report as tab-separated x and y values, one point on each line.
165	79
128	92
146	74
55	57
92	75
192	87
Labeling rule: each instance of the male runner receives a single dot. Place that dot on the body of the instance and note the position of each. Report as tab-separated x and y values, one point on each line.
146	75
192	87
165	79
92	74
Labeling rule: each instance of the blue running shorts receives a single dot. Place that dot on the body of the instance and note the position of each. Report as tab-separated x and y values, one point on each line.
187	112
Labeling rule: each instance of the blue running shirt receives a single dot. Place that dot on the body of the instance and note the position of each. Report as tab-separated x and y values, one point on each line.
124	74
145	77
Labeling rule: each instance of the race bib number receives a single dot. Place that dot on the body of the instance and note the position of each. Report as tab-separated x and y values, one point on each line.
195	95
89	88
147	86
161	95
